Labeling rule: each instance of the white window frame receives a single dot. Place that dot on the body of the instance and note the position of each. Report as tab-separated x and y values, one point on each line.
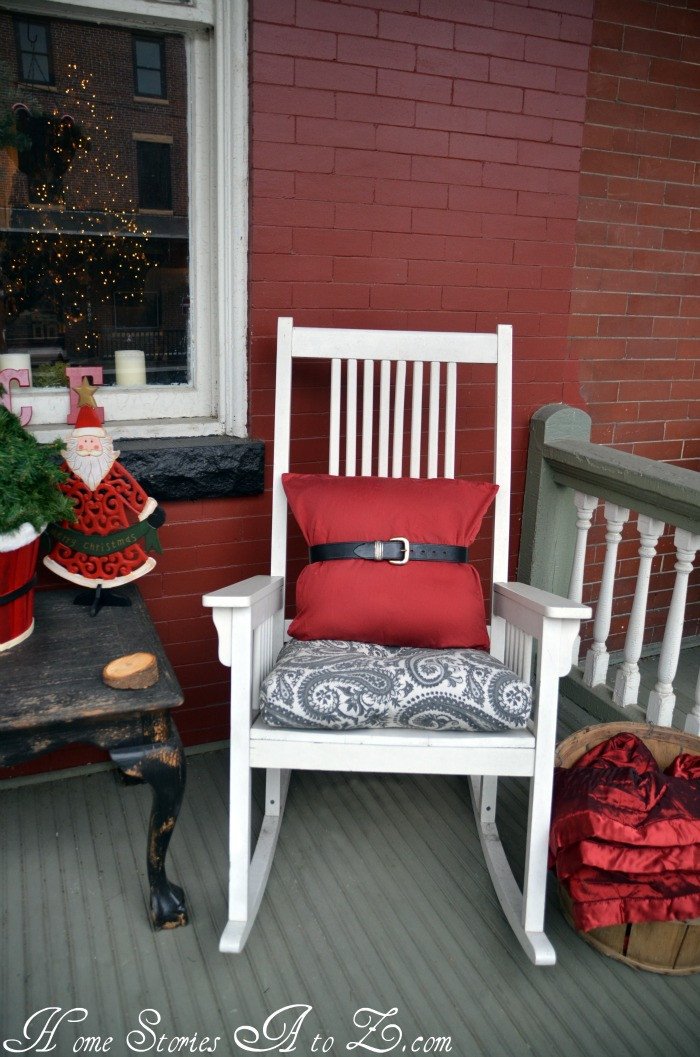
217	73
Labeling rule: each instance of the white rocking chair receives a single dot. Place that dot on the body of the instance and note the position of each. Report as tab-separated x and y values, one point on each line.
249	618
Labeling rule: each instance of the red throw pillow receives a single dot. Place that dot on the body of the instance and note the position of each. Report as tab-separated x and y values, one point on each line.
431	604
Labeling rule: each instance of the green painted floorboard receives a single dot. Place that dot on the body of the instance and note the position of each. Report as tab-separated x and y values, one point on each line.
378	898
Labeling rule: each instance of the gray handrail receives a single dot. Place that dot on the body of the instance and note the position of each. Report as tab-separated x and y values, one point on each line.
659	489
561	457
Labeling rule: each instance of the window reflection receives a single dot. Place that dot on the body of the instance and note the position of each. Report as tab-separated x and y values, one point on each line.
93	198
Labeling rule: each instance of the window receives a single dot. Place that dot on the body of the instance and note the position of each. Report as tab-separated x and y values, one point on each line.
33	38
154	176
134	246
149	66
77	242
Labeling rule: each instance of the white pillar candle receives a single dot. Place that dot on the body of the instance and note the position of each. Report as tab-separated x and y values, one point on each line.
16	361
131	366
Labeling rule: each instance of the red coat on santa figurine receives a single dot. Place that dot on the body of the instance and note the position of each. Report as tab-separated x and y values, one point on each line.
116	521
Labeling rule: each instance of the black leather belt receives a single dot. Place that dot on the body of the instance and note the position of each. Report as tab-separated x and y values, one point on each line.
397	551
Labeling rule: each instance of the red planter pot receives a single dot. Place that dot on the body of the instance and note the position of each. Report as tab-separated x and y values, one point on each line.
18	557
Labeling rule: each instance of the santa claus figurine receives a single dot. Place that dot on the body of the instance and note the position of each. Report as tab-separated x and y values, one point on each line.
116	521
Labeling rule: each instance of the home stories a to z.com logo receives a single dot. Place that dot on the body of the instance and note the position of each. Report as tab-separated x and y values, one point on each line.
285	1031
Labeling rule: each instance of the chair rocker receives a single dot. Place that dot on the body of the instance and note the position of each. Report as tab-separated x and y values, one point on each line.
249	618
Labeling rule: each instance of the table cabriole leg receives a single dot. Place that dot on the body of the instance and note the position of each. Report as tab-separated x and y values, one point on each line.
162	765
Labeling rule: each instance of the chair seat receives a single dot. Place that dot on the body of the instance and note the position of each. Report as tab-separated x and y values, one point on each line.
336	685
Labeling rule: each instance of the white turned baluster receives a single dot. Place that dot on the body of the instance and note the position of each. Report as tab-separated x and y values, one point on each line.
662	699
585	505
692	720
597	657
626	690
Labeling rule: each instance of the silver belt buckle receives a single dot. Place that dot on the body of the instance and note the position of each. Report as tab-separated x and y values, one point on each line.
406	551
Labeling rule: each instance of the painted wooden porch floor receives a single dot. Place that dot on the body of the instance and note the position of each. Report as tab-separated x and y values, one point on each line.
378	898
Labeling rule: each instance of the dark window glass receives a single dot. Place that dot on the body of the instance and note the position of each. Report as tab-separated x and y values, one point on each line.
149	67
155	185
93	224
33	51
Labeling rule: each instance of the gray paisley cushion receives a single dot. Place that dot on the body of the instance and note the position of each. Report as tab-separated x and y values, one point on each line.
348	685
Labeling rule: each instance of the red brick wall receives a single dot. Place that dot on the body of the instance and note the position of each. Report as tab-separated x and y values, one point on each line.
636	302
416	165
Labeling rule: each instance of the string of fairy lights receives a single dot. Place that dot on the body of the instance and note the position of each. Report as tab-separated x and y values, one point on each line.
74	272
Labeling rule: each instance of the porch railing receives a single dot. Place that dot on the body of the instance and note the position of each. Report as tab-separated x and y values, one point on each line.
567	479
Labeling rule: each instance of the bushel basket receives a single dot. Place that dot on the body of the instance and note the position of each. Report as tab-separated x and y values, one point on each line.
671	947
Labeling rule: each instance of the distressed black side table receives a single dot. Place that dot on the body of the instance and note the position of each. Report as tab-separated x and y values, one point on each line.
52	695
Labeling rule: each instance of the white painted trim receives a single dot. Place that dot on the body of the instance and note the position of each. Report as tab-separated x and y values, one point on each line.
503	415
283	411
135	429
334	431
304	750
202	225
217	68
170	15
327	343
232	123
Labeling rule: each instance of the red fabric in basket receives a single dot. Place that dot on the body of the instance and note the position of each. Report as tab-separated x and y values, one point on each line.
611	855
625	838
685	766
629	804
601	898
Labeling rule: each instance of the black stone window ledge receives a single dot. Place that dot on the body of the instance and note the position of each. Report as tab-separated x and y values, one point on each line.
181	468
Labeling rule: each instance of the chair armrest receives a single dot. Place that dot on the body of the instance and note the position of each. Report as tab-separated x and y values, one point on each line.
541	603
241	608
245	593
553	621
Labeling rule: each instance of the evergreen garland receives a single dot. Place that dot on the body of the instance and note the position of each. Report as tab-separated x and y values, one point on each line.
29	478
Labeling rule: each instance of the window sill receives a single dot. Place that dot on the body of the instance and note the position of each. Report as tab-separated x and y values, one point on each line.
37	86
157	99
184	468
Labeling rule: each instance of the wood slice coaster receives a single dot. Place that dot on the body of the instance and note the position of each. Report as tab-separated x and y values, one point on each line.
134	671
668	947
